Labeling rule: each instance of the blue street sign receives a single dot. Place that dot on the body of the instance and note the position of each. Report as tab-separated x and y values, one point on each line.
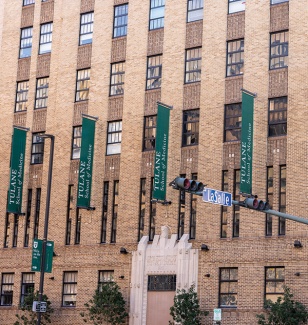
217	197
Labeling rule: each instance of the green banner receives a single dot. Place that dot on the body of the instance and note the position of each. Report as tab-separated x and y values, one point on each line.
86	163
161	152
246	143
17	171
37	249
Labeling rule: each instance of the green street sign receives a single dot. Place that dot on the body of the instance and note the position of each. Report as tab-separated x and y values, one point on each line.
37	248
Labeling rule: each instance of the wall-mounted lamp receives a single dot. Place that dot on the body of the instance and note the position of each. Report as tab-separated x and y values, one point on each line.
204	247
207	275
121	277
297	244
54	254
297	274
90	208
123	250
52	278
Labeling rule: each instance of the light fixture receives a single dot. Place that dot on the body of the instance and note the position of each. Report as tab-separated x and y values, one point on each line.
297	244
52	278
123	250
207	275
121	277
204	247
54	254
297	274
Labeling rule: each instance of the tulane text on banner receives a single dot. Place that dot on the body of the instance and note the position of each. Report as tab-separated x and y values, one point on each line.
86	163
247	143
161	153
17	171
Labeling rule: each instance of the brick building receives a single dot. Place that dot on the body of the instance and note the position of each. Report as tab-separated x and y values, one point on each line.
115	60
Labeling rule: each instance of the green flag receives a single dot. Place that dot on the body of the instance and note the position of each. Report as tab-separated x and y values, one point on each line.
86	162
17	171
246	143
161	152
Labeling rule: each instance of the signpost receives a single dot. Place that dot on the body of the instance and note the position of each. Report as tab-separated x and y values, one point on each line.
217	197
39	307
217	314
37	255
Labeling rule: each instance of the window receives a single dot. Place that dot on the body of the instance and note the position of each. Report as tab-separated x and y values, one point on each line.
117	78
7	284
7	230
149	132
236	208
120	20
82	85
27	221
37	152
269	218
224	209
28	2
193	212
282	199
27	286
22	96
105	213
105	277
235	58
15	230
154	72
152	215
45	38
114	138
274	282
157	14
69	289
142	197
25	42
190	128
279	50
228	284
164	282
70	207
236	6
114	211
193	65
273	2
181	215
42	85
277	116
86	28
76	145
195	10
233	122
78	227
37	213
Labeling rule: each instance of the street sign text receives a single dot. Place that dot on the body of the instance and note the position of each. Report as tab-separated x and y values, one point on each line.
217	197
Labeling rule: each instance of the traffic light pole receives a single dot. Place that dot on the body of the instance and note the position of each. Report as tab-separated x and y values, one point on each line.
43	259
251	202
275	213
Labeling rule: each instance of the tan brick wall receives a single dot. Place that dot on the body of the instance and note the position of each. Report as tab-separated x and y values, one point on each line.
252	251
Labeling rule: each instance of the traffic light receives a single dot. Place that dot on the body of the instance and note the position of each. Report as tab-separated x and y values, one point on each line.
256	204
187	185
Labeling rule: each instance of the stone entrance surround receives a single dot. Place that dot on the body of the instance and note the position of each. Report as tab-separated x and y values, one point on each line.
164	256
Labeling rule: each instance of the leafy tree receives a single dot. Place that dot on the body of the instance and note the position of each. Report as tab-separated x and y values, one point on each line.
29	317
285	311
186	309
106	305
